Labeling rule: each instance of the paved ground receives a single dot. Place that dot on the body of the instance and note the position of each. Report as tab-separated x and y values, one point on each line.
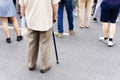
82	57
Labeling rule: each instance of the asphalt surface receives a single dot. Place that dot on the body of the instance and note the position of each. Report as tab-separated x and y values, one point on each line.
82	56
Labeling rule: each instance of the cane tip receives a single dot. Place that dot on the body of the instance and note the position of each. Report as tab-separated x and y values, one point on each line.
57	62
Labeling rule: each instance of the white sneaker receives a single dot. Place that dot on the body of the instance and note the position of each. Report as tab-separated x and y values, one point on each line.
60	35
110	43
103	40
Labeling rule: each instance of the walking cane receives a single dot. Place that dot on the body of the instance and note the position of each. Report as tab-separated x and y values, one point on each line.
55	47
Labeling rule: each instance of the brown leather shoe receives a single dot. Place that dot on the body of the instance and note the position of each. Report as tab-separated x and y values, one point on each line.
81	27
71	32
45	70
87	26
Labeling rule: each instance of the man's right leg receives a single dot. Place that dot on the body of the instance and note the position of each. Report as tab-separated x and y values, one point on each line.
33	47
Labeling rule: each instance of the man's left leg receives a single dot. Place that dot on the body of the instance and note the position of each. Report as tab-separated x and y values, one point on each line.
45	50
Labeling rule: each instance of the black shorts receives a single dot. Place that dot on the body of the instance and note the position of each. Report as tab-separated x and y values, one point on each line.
109	13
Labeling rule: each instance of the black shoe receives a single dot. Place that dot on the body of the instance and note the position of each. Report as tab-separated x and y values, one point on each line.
87	26
94	20
32	68
8	40
19	38
45	70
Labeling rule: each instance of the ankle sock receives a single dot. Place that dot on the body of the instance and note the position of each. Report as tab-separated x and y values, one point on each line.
110	39
106	38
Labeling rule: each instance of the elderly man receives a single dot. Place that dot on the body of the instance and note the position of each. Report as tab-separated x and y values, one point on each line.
40	15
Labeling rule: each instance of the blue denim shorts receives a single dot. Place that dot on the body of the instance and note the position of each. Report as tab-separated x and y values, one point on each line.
109	13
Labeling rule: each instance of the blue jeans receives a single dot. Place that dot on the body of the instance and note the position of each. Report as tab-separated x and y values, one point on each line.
69	8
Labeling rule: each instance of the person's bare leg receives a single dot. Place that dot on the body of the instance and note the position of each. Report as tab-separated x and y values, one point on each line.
16	28
112	29
15	25
105	29
112	33
5	27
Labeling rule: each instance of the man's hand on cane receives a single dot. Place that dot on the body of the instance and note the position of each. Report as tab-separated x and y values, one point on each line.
55	9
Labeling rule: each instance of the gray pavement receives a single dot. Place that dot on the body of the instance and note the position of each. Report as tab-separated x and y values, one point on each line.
82	56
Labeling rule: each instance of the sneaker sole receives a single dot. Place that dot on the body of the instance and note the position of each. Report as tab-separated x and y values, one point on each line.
110	45
103	42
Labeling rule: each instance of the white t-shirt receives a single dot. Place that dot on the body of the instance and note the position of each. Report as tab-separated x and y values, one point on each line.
38	13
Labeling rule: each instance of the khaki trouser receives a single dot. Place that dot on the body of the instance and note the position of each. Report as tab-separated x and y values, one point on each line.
85	6
39	41
75	3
